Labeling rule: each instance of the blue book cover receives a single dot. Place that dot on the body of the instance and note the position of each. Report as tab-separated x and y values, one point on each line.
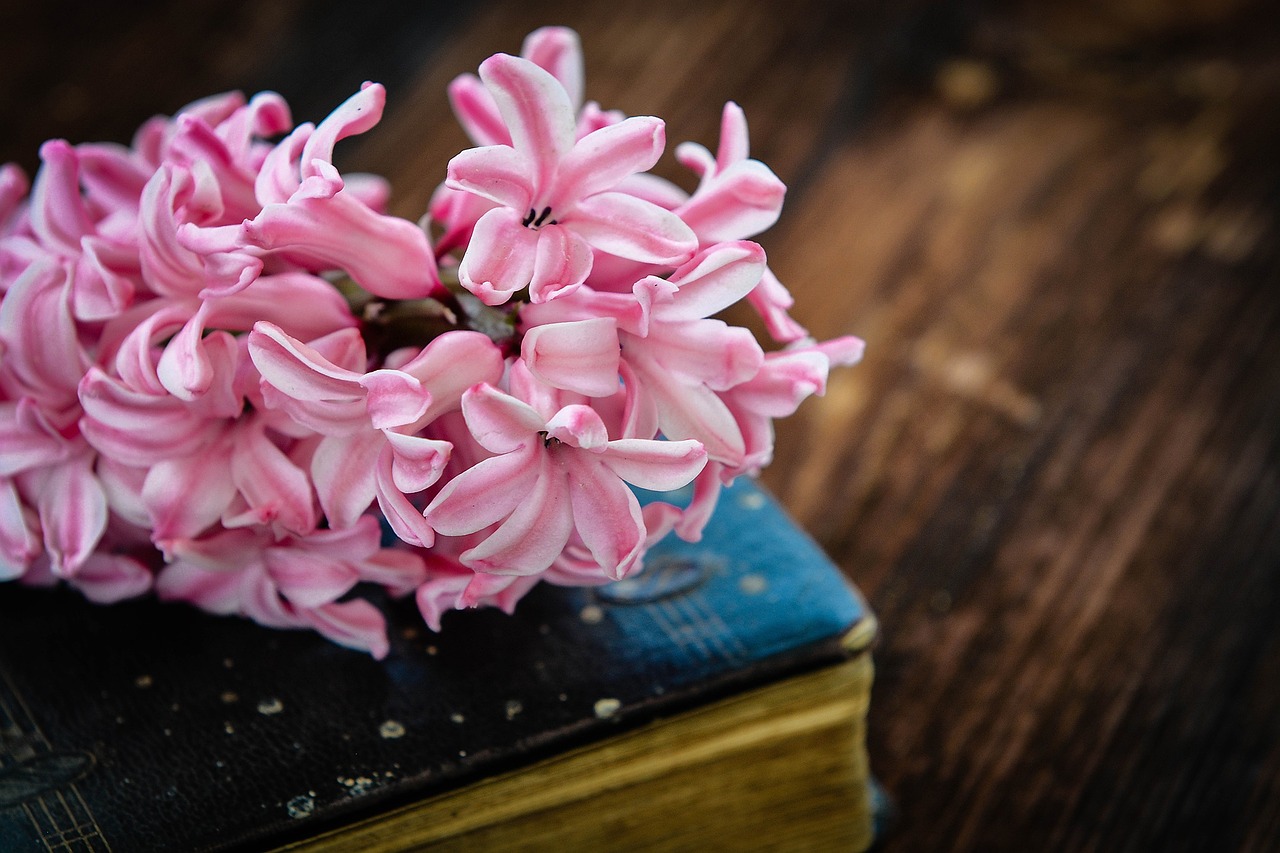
144	726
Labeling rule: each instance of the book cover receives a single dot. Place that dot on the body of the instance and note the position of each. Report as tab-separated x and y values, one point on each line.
144	726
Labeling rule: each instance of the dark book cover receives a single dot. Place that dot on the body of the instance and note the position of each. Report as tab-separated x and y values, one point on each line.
144	726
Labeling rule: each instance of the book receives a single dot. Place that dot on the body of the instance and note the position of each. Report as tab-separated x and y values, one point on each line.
716	699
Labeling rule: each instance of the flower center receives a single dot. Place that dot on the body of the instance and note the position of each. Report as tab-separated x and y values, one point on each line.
536	219
549	441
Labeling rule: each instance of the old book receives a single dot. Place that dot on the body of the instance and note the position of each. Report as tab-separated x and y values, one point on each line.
718	699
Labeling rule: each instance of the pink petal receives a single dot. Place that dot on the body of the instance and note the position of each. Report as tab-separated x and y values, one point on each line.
451	364
740	202
500	258
496	172
27	438
659	466
604	157
98	291
714	280
140	429
483	494
418	462
475	110
536	110
692	411
38	333
216	592
733	135
343	469
709	352
186	495
534	534
562	262
57	212
606	515
73	513
405	519
274	487
771	301
299	370
304	306
557	50
579	356
355	624
386	255
399	571
394	398
279	179
500	422
632	228
578	426
168	267
307	578
19	533
355	115
13	187
108	578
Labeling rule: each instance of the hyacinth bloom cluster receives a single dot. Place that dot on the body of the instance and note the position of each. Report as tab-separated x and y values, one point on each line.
227	375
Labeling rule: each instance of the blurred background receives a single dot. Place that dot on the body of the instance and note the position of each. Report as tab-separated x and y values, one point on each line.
1056	476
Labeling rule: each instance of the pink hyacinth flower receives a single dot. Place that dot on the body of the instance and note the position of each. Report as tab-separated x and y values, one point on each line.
555	196
370	421
295	582
553	474
736	199
680	359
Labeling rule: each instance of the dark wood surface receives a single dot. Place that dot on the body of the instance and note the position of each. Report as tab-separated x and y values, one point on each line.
1057	474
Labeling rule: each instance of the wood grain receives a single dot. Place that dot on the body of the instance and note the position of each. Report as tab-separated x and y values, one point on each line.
1057	473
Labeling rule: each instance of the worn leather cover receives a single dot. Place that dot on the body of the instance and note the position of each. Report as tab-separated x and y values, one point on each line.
156	727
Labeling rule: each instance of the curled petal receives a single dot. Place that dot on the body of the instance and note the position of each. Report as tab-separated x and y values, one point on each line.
580	356
451	364
386	255
27	438
741	202
476	112
578	426
714	280
355	115
38	333
57	209
300	371
19	533
394	398
417	462
500	422
500	258
562	262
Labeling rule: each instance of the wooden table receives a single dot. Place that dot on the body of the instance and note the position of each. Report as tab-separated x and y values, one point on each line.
1057	473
